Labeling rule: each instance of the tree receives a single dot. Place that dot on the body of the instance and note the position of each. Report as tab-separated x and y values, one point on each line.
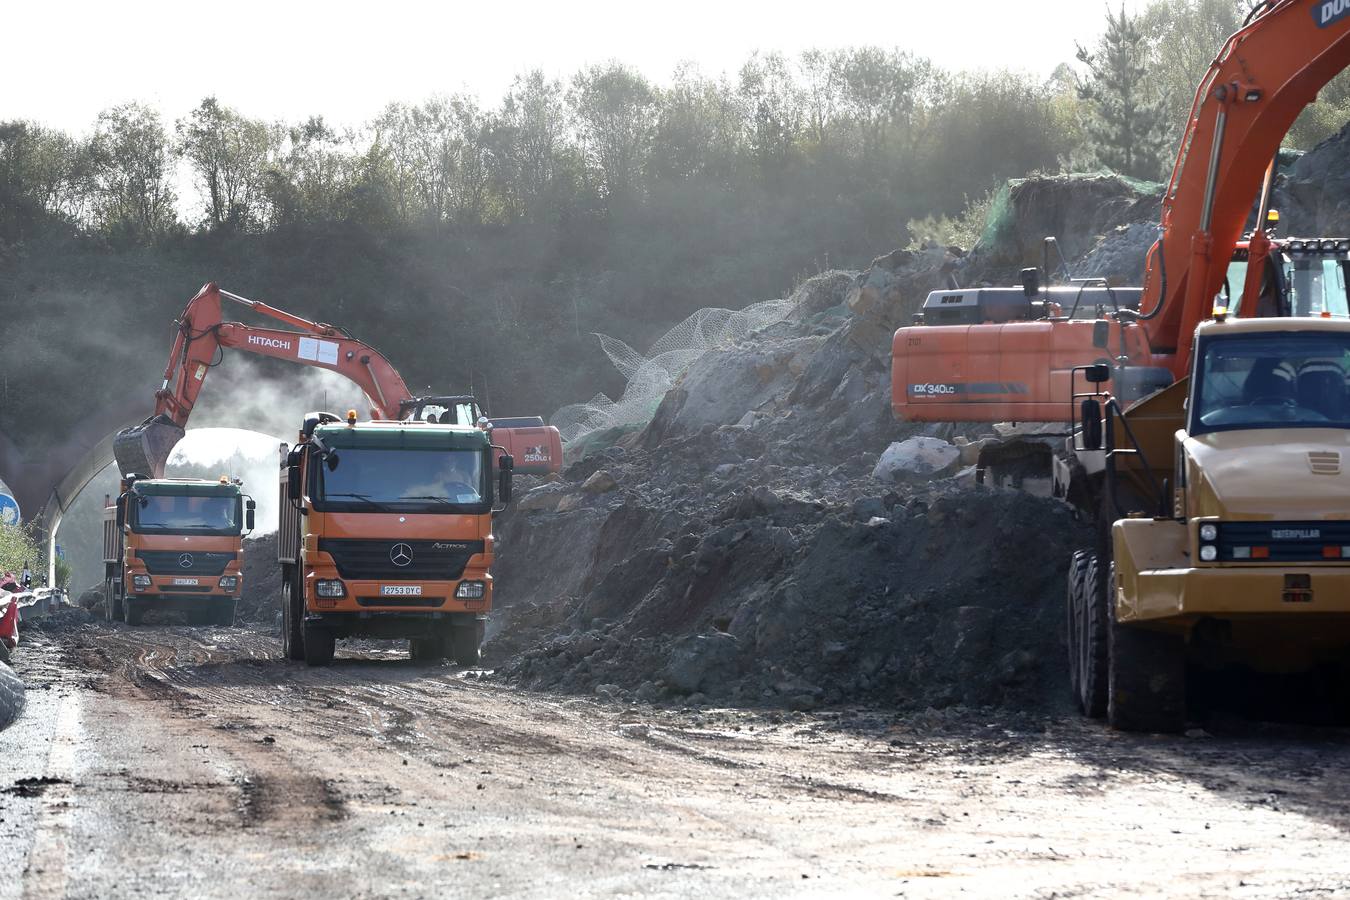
529	144
132	174
230	156
774	111
616	111
698	129
309	182
41	180
1183	37
1128	123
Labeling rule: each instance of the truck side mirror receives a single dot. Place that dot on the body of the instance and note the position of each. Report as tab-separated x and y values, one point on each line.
293	482
250	515
1090	414
1097	374
1031	283
121	511
506	465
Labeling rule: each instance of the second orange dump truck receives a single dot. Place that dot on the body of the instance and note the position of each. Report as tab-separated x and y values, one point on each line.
175	544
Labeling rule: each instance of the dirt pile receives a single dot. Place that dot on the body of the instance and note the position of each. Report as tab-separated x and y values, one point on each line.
739	549
260	596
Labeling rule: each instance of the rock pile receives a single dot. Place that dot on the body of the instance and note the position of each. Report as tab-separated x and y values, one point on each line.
757	542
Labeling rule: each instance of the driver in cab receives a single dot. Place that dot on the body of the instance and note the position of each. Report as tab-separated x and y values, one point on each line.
459	479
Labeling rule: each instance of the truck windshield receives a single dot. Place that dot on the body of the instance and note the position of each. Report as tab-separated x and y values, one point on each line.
404	481
1279	380
162	514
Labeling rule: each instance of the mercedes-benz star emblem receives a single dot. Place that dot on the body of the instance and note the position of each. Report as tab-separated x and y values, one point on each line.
401	555
185	560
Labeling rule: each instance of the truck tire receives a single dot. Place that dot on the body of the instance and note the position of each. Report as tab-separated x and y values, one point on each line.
466	642
292	618
428	649
1087	635
1147	678
133	610
223	613
112	604
320	645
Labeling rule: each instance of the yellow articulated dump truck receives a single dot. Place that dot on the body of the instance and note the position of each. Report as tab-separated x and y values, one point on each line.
1232	544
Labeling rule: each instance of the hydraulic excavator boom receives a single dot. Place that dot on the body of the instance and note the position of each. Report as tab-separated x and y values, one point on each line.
203	335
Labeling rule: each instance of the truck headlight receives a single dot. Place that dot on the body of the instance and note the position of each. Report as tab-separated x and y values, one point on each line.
229	582
1209	532
1209	553
330	588
470	590
141	582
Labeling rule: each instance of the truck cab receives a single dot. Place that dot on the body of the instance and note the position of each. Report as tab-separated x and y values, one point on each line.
386	532
1229	544
175	544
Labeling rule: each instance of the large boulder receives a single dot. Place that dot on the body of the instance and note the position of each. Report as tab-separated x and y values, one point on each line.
923	457
701	662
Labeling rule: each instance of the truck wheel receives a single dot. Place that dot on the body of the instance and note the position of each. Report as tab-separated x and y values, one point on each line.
1147	678
1087	639
466	643
292	615
223	613
133	613
112	606
431	649
320	645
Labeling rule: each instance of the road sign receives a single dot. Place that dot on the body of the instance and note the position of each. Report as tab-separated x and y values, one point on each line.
9	507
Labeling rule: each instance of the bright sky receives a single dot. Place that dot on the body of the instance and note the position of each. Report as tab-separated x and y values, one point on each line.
280	59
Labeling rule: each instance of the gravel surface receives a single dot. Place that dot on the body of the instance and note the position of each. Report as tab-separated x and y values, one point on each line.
193	762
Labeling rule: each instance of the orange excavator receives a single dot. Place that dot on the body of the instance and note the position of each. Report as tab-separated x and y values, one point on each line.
1011	356
203	335
1209	412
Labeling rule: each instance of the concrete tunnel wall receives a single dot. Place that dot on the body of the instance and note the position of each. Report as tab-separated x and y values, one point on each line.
47	479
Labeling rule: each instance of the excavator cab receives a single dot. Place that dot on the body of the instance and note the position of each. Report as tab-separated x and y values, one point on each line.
460	409
1303	277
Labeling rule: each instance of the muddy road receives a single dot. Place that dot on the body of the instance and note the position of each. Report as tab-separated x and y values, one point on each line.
174	761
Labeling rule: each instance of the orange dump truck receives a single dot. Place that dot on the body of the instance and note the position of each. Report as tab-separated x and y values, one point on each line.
386	532
175	543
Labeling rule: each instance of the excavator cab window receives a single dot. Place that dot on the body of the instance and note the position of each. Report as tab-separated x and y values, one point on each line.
1318	286
451	414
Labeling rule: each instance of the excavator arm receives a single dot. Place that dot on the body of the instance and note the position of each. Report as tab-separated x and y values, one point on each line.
202	337
202	334
1261	81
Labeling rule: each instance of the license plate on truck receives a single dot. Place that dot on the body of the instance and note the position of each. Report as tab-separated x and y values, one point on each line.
185	581
401	590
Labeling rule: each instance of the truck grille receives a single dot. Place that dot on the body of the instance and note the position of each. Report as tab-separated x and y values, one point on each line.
184	562
401	601
400	560
1284	541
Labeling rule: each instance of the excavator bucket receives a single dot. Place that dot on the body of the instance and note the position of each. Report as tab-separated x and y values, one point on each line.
145	448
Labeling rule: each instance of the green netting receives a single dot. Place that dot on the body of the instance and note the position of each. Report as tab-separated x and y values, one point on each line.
999	224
